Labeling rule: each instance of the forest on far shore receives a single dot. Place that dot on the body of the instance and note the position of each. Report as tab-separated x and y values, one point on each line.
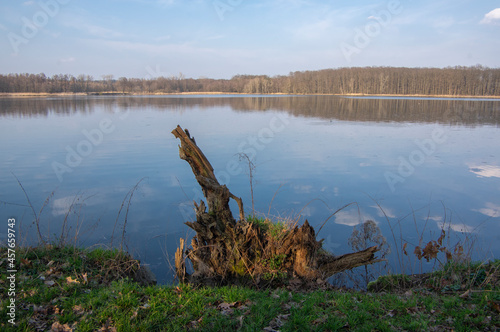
451	81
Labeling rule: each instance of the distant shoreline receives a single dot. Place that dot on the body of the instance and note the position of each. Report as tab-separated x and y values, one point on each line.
83	94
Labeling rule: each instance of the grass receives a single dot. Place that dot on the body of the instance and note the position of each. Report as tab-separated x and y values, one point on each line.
66	289
60	287
275	229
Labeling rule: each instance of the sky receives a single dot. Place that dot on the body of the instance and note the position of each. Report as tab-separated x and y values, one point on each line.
223	38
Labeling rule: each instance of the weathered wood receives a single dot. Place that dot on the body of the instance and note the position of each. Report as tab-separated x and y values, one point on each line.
224	249
217	195
330	265
180	263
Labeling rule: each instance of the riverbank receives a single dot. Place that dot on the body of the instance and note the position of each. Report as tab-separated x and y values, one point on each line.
114	93
67	289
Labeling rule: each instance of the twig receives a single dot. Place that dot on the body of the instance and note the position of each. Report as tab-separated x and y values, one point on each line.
37	217
129	193
347	205
272	200
251	168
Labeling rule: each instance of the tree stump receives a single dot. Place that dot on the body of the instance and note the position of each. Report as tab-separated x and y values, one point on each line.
225	250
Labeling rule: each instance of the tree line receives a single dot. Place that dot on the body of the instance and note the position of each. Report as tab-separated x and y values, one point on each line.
452	81
470	113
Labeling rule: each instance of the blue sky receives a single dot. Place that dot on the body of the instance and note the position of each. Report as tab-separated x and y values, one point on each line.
220	39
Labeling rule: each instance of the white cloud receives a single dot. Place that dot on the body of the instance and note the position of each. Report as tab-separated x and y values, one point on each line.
90	29
61	206
492	17
303	189
486	171
351	217
185	49
490	210
381	210
463	228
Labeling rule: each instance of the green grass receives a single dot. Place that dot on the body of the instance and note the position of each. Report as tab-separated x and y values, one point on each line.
275	229
110	301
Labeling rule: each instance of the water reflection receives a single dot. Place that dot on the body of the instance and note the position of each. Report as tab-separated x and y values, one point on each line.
490	209
486	171
460	228
316	163
468	112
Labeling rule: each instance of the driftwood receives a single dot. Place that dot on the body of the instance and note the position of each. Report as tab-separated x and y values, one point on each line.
227	250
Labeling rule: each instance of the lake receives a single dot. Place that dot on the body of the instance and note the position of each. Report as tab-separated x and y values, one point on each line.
413	165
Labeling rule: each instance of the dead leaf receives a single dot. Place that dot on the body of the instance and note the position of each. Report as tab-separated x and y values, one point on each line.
404	249
194	324
418	253
320	320
25	262
43	309
412	310
50	263
290	305
78	310
465	295
242	305
84	277
278	321
49	272
430	251
495	305
440	240
58	327
40	324
49	283
30	293
226	308
72	281
107	327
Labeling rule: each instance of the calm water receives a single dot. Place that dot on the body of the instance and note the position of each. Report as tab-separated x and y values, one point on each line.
423	161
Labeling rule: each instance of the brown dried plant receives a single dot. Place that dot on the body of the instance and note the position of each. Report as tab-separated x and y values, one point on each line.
367	235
